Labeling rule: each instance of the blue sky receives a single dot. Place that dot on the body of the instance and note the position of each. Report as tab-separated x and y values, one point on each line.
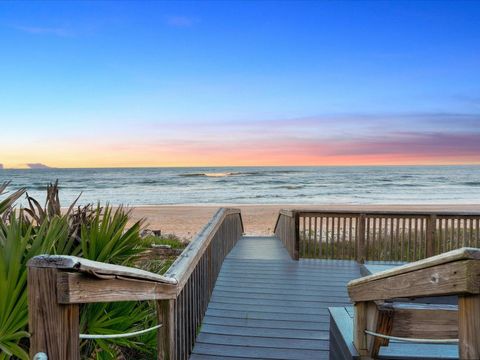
163	72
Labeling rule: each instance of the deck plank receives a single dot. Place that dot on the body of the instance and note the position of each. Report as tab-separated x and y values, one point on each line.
267	306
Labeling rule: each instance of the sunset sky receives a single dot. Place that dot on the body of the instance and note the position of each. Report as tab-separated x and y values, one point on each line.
239	83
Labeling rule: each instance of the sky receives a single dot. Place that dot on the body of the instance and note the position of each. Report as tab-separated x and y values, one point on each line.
127	84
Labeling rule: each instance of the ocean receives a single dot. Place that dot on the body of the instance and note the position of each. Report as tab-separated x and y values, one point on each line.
257	185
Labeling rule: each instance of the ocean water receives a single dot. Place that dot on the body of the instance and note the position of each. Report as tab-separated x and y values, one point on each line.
257	185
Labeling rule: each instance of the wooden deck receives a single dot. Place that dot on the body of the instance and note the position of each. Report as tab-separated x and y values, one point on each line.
267	306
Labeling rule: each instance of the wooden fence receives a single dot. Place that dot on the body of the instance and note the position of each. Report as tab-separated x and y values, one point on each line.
375	235
58	284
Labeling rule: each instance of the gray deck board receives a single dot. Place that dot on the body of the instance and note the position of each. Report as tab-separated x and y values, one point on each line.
267	306
262	341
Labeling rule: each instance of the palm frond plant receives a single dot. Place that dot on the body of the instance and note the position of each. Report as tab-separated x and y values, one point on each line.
107	238
94	232
19	242
7	202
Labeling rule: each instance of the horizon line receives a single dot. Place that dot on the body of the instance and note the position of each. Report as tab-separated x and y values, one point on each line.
236	166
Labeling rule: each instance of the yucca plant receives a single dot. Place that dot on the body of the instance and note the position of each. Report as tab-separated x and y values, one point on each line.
19	242
107	238
95	233
7	202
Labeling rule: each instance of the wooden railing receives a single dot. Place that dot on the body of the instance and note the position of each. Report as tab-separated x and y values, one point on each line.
377	318
286	229
196	270
58	284
375	235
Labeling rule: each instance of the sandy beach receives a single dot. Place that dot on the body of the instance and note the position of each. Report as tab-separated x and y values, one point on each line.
186	220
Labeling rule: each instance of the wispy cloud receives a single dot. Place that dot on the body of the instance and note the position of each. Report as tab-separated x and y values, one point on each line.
40	30
180	21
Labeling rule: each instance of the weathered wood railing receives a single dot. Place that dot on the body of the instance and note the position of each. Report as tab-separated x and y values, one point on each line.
58	284
196	270
287	231
376	320
375	235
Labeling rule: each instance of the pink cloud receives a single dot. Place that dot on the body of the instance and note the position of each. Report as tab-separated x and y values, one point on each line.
419	144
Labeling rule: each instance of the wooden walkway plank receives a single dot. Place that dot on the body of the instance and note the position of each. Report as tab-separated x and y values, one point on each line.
253	352
262	341
282	302
293	297
265	316
267	306
272	324
322	309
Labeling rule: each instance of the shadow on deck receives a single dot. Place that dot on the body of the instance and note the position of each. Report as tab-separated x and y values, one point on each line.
266	306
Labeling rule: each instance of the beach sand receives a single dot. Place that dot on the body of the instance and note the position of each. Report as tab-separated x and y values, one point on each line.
186	220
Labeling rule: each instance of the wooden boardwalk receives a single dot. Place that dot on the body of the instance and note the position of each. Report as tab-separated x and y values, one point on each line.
267	306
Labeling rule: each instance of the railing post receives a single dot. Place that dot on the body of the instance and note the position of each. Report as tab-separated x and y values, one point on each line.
296	248
54	328
469	326
361	239
166	334
430	235
360	320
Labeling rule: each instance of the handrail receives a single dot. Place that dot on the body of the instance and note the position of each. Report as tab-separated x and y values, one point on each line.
451	256
95	268
287	230
58	284
303	211
375	235
453	273
188	259
283	212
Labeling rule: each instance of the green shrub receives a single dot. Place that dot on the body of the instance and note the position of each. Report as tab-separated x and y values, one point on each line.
93	232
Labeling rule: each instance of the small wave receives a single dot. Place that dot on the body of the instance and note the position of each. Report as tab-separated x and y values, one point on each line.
266	172
218	174
207	174
291	187
151	182
192	175
239	173
471	183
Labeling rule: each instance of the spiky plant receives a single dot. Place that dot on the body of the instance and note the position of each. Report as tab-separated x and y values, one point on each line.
107	238
93	232
19	242
7	203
